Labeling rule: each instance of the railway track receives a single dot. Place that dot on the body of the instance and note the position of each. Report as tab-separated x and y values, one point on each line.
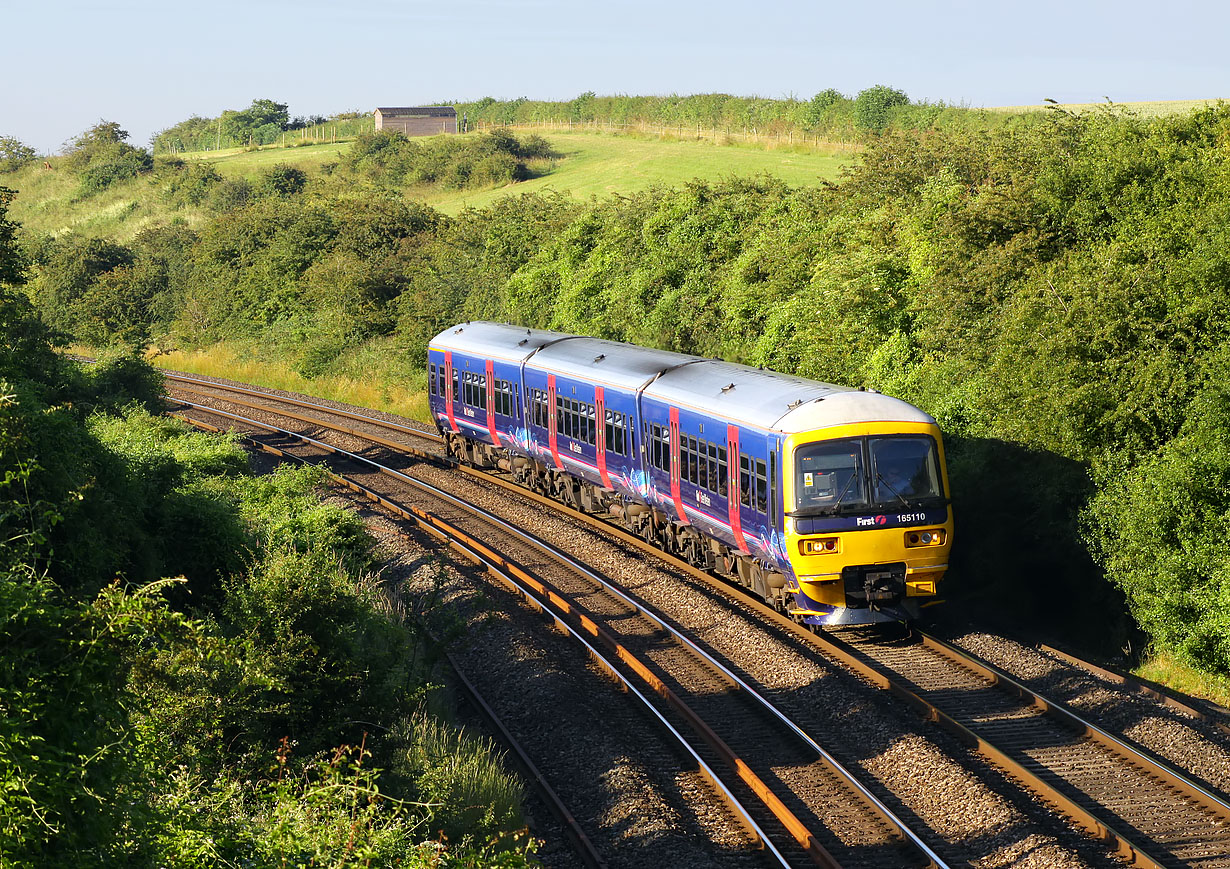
1154	814
1171	822
817	813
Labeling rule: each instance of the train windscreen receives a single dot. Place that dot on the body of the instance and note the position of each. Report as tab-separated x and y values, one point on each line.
904	470
829	475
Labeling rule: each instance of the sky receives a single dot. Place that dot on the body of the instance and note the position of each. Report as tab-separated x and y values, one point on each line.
149	65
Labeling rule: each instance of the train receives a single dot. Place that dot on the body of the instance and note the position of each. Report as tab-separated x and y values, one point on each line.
830	503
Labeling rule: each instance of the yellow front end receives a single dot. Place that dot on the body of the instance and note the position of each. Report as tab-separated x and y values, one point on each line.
880	554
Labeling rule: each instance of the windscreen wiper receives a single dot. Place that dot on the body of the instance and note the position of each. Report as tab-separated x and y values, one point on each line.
836	508
880	479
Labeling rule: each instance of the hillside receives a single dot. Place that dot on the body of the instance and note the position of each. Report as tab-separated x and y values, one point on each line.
1053	293
591	164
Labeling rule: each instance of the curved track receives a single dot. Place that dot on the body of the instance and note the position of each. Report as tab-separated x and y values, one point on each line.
1149	813
799	789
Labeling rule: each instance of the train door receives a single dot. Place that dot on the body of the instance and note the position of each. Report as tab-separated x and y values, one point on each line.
676	496
600	434
733	501
775	510
491	427
553	422
449	389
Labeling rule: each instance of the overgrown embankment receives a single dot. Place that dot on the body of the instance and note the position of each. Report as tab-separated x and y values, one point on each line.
262	706
1054	293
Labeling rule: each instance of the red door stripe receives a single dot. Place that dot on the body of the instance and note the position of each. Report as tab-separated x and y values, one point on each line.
600	422
675	475
553	422
732	485
448	390
495	435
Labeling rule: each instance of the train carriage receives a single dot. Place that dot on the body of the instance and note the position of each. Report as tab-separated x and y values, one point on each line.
831	503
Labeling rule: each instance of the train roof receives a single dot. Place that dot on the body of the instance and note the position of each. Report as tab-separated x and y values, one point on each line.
495	340
774	401
752	396
624	366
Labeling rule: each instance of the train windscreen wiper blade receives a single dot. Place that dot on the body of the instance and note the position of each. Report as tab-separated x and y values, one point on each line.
836	508
880	479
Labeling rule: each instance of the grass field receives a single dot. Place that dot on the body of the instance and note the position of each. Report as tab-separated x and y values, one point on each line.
240	163
1145	110
592	164
602	164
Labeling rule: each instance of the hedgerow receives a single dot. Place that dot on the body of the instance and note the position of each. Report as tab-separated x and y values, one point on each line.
243	711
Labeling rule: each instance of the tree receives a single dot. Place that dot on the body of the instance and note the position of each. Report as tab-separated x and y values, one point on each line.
12	262
820	104
101	156
582	107
14	154
872	105
262	122
102	133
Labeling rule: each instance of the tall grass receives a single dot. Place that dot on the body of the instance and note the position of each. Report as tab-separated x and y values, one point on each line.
460	776
235	362
1167	670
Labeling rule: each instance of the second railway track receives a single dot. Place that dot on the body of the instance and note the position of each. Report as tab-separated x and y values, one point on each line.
1171	831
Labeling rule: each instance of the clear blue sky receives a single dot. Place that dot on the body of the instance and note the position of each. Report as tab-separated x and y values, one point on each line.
149	65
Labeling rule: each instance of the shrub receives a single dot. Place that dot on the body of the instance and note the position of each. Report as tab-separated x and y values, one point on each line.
186	183
282	180
871	106
1162	530
15	154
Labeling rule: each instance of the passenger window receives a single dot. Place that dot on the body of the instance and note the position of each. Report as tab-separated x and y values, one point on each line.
745	482
722	471
762	489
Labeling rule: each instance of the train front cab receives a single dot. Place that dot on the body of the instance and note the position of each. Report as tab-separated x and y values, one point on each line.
868	527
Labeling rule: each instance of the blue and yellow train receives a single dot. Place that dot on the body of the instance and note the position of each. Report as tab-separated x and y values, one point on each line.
831	503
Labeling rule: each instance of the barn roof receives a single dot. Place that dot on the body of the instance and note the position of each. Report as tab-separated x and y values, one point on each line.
417	111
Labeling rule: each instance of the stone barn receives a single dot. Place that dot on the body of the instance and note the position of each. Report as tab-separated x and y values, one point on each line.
418	120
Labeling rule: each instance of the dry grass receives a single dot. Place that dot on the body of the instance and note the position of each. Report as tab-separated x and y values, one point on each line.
233	363
1165	670
1153	109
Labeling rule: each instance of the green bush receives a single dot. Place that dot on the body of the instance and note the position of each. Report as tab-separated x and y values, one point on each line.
390	158
282	180
186	183
873	105
15	154
1162	530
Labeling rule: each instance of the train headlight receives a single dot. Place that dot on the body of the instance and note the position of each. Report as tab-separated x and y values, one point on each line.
927	537
820	545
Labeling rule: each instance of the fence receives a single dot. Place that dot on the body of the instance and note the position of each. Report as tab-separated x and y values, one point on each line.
319	134
347	130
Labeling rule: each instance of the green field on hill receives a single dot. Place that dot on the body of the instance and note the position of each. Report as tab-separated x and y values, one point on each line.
601	164
591	164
